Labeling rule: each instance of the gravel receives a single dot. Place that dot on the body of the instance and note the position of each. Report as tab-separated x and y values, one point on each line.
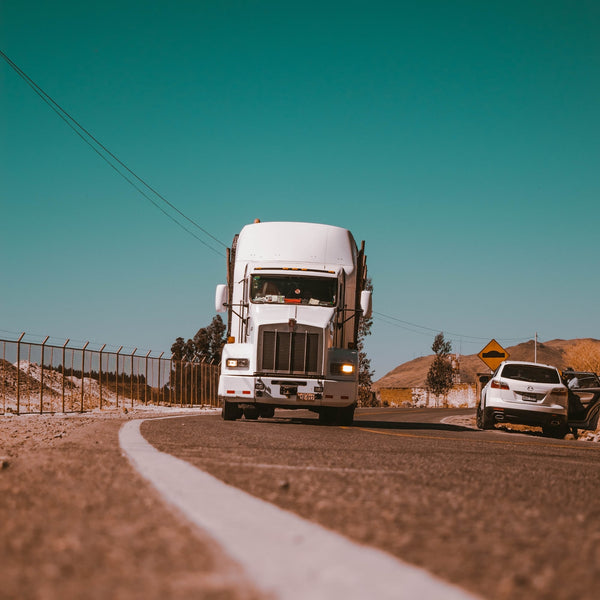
77	521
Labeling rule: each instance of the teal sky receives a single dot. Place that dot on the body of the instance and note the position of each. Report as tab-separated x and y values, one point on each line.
461	140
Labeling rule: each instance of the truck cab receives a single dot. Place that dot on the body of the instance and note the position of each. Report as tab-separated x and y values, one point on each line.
294	298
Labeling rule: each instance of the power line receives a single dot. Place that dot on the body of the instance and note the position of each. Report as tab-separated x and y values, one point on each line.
423	330
86	136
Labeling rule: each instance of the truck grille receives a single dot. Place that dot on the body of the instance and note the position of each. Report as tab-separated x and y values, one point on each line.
293	352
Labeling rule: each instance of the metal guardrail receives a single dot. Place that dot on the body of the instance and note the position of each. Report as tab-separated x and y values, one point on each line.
42	377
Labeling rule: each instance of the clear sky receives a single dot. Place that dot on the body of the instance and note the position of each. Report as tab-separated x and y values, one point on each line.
460	139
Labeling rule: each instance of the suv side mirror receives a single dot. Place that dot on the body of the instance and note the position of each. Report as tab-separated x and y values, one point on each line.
366	303
221	298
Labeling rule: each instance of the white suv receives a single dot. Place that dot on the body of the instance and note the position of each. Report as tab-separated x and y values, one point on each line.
526	393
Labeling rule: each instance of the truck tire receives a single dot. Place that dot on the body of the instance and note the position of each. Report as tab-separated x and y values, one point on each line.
231	411
345	415
251	413
327	415
267	412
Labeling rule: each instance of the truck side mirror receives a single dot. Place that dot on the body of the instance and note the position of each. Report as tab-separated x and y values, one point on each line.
366	303
221	298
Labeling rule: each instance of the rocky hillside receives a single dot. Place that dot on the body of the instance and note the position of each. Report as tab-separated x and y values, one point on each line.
414	373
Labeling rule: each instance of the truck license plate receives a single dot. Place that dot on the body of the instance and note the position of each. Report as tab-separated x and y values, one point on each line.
306	397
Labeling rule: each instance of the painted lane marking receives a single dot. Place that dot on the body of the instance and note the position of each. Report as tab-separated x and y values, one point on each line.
285	555
276	466
460	439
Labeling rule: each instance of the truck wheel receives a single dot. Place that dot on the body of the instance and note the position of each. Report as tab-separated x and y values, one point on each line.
345	415
327	415
231	411
267	412
251	413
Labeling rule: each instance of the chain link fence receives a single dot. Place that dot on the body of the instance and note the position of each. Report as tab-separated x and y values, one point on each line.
48	377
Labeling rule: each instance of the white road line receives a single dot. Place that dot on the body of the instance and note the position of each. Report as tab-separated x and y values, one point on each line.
285	555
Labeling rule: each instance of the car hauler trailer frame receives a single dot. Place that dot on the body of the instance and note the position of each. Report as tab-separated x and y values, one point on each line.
294	298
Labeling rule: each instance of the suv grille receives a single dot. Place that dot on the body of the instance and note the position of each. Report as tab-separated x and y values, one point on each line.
293	352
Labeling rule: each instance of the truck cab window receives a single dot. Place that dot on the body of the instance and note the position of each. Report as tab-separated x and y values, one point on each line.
278	289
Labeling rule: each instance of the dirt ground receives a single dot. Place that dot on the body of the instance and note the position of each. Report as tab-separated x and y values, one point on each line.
76	521
469	421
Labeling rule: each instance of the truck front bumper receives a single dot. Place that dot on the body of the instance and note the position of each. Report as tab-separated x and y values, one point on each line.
292	392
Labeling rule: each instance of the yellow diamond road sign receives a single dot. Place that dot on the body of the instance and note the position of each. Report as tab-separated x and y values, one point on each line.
493	354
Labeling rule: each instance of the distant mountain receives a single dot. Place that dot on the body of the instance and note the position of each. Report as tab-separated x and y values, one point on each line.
414	373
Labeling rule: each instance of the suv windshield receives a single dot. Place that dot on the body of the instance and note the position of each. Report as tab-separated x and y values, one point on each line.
530	373
278	289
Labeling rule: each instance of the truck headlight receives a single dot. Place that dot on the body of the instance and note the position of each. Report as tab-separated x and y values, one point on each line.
237	363
342	368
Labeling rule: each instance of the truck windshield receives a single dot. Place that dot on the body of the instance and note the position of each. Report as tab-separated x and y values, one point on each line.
278	289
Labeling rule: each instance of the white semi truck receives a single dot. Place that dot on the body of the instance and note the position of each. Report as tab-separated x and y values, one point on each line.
294	297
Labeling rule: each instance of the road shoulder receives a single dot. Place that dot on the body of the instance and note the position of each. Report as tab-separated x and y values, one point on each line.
73	511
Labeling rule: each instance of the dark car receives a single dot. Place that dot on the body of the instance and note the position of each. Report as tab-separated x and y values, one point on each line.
584	398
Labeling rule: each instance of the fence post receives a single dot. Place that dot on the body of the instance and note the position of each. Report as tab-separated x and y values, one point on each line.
215	378
64	370
181	370
42	377
18	371
216	375
100	374
159	371
210	390
202	381
117	374
131	377
82	374
146	381
3	379
170	382
193	383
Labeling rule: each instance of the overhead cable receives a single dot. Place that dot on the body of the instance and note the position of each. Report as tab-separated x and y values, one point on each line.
102	151
423	330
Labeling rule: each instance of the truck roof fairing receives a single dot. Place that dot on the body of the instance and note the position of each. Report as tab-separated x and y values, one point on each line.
292	244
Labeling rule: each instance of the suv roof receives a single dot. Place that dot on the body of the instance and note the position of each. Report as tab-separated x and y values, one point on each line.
525	362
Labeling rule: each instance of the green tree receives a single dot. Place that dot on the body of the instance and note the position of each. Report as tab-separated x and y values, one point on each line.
177	348
365	372
208	341
439	376
207	344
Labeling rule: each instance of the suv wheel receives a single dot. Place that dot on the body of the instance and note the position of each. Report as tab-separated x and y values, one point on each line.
484	419
555	431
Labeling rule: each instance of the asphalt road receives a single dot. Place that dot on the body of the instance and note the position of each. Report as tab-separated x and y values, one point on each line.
504	515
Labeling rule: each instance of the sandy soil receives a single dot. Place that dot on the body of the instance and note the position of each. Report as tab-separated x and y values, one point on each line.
77	522
469	421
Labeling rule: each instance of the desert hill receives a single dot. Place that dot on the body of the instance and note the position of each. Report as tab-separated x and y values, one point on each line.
413	373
